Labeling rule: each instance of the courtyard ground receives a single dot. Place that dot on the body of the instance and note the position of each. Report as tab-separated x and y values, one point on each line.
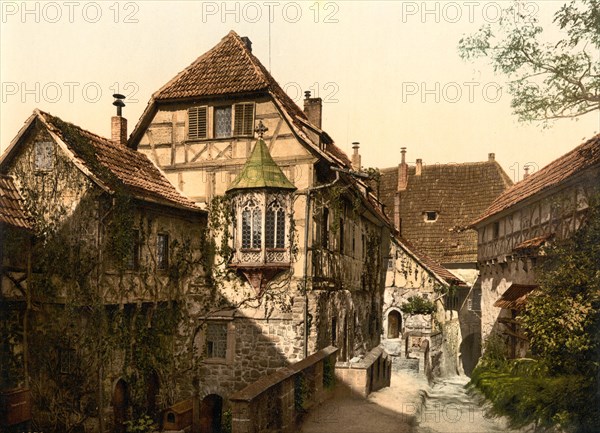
409	405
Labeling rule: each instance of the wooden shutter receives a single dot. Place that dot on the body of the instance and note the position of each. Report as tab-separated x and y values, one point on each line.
244	119
197	123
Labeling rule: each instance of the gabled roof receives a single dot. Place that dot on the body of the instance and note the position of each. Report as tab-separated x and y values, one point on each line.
12	207
572	163
260	171
112	166
227	69
457	192
442	274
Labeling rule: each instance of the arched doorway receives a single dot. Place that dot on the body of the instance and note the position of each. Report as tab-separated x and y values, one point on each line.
211	408
394	324
120	402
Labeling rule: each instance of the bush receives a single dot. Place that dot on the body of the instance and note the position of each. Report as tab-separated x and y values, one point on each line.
418	305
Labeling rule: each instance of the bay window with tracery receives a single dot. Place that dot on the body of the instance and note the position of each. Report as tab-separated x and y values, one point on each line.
261	228
261	197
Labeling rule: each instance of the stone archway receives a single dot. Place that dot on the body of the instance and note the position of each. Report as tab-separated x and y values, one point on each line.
394	322
120	403
211	408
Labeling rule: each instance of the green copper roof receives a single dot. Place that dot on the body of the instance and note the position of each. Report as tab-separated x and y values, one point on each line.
260	171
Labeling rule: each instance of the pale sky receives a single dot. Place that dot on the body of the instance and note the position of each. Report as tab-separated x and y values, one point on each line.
389	72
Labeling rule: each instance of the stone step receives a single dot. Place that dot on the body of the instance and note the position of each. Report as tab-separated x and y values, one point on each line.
399	363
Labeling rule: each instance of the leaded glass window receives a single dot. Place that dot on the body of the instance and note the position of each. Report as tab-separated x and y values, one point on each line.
251	225
222	122
275	226
216	340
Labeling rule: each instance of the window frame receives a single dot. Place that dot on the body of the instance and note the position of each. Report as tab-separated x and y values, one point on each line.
162	264
43	156
428	213
242	119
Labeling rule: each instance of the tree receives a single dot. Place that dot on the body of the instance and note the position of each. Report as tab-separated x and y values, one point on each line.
547	81
562	318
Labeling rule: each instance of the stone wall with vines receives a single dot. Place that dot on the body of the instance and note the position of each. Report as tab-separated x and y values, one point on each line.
96	317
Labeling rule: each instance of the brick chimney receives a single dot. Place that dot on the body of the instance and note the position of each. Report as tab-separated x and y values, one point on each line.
491	157
402	171
118	124
356	160
419	167
402	183
313	108
246	40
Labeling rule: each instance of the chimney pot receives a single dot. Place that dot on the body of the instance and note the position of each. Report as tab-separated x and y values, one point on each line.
526	170
491	156
403	152
419	167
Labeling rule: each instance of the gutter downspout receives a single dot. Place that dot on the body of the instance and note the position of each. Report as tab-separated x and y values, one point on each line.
308	193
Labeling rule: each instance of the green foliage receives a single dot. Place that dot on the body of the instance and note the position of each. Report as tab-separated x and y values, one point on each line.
525	392
548	80
418	305
226	422
562	318
299	392
328	374
562	322
144	424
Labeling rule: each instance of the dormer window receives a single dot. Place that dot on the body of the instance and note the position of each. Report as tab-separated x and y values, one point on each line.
430	216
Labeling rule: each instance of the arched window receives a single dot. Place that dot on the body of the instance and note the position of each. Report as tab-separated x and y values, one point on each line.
275	225
251	225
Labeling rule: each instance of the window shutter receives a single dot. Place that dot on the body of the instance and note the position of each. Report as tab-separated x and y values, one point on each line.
197	123
244	119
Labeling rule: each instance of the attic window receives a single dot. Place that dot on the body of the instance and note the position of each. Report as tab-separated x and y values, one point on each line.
44	155
430	216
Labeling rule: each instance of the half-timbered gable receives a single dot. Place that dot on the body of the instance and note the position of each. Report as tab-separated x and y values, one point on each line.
546	205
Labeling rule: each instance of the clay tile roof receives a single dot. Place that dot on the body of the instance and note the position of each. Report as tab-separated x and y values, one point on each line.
457	192
117	166
515	297
260	171
230	68
582	157
12	207
431	264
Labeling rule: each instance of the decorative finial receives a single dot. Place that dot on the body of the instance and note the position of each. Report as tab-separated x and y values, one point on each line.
261	129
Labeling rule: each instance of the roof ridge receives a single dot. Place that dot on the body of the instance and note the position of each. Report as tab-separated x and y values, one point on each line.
500	204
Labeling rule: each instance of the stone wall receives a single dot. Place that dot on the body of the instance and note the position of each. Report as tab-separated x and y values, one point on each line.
369	374
275	403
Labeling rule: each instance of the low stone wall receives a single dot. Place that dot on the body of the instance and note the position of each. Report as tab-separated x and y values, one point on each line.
371	373
275	403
